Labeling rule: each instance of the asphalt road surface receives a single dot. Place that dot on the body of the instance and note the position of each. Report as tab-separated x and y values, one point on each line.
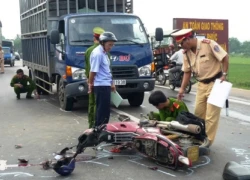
41	128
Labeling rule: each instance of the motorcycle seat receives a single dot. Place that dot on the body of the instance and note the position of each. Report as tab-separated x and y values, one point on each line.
235	171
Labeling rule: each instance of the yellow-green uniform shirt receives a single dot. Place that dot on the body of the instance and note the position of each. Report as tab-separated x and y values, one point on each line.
87	58
24	81
170	113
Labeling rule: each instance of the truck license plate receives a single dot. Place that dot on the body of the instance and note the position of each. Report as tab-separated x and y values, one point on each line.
193	153
121	82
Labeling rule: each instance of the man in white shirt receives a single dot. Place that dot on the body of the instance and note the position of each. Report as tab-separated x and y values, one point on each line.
178	58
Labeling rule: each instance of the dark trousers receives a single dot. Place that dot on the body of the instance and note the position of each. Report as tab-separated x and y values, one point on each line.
174	70
26	89
102	94
91	110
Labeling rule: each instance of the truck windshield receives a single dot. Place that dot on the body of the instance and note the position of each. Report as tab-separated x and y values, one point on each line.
6	50
127	29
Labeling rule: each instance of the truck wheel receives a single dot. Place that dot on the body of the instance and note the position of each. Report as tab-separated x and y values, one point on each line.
65	103
136	99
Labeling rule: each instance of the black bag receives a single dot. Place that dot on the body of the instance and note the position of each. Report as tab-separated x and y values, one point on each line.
189	118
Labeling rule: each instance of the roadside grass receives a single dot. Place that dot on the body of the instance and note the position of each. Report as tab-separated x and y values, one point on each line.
239	72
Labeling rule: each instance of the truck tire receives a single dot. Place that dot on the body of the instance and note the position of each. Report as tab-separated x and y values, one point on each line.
65	103
136	99
31	75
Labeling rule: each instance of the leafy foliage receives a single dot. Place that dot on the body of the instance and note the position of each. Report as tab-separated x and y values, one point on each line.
236	47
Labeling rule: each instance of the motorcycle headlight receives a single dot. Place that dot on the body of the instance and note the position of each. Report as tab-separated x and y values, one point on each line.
78	74
145	70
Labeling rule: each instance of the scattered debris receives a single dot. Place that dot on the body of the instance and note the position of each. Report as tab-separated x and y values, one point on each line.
46	165
115	150
153	168
23	162
18	146
110	157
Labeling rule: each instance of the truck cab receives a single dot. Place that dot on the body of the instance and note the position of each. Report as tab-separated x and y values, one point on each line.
130	57
9	58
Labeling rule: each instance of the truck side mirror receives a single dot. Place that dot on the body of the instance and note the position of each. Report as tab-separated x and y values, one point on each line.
158	34
54	37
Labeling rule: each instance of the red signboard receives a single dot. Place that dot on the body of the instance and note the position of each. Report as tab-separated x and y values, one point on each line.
215	29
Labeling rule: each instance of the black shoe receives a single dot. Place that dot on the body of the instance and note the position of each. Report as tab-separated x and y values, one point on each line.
29	97
18	96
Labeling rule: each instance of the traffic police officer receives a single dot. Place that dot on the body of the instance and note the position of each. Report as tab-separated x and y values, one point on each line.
91	107
204	58
100	77
20	84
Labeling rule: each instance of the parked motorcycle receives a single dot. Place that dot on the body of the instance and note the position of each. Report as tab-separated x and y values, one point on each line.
160	65
170	144
178	76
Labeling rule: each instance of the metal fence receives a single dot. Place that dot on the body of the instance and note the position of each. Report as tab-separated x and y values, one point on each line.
35	14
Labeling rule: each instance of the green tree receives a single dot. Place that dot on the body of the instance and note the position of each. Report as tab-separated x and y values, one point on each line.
245	48
18	44
234	45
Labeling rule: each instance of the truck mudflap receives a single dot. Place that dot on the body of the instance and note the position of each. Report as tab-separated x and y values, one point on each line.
76	89
134	85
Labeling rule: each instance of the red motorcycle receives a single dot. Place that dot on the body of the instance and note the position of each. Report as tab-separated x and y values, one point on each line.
170	144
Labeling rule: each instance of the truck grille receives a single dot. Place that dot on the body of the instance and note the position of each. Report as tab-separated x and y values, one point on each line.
124	72
124	137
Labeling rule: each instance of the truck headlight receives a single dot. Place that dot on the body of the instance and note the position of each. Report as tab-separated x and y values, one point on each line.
145	70
78	73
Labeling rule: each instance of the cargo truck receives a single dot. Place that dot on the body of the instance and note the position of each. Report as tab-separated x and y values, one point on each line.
8	48
55	35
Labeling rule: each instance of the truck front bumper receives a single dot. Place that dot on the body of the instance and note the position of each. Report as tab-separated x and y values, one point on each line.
76	89
8	61
136	85
80	88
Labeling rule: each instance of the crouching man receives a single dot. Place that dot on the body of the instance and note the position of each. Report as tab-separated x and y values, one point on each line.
169	108
20	83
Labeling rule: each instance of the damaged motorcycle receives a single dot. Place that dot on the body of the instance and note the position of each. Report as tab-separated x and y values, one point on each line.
170	144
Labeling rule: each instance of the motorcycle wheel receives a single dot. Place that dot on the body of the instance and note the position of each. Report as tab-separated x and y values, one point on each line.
188	88
163	78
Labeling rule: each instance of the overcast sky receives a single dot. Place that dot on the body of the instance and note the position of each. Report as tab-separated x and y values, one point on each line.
159	13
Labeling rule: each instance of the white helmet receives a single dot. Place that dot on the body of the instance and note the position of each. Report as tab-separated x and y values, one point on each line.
107	36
